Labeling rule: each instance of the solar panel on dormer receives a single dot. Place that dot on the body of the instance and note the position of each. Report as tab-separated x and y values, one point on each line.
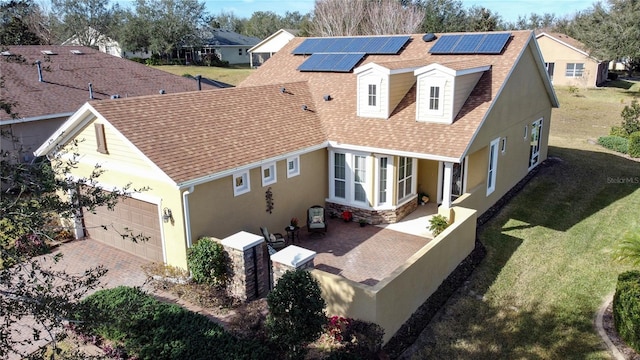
331	62
471	43
361	44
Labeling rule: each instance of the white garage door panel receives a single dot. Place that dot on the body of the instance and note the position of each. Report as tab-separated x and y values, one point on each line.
139	216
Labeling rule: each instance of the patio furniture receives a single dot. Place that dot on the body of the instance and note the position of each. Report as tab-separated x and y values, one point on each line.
317	219
275	240
293	232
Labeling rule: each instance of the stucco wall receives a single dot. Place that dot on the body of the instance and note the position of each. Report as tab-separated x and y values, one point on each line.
215	211
523	100
392	301
30	135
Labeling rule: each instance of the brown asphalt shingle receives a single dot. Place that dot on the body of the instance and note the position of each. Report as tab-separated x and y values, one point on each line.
67	76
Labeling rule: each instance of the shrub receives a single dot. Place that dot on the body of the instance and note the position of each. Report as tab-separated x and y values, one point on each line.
437	224
208	262
296	312
615	143
618	131
626	308
634	144
631	117
30	245
150	329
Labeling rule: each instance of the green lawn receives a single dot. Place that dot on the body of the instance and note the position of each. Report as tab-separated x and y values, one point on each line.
232	75
549	264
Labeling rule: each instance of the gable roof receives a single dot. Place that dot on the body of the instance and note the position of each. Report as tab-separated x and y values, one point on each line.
192	135
198	136
66	77
401	133
281	32
567	41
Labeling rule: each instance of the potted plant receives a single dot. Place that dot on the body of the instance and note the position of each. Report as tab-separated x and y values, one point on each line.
437	224
347	216
423	198
362	222
293	223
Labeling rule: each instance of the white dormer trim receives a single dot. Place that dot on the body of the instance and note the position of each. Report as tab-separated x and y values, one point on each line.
451	72
381	81
383	70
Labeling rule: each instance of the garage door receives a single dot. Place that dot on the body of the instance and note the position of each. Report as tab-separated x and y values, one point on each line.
139	216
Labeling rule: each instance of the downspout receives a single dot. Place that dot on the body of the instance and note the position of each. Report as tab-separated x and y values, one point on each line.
187	218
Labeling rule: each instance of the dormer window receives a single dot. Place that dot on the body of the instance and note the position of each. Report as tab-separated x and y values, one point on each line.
434	98
373	93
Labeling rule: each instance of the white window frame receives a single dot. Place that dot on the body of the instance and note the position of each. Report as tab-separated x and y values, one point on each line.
360	166
295	169
526	132
492	168
333	176
372	95
434	98
534	149
550	67
245	185
572	70
503	145
272	178
438	83
401	182
384	184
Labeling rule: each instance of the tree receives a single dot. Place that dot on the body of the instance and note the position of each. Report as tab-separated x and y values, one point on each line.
33	294
295	311
611	33
261	24
391	17
333	18
442	15
480	18
87	20
227	21
15	23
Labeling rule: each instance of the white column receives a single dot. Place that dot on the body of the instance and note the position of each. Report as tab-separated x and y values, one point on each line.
446	185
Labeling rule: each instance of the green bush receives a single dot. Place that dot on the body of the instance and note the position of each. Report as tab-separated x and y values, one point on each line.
626	308
437	224
296	312
618	131
631	117
634	144
208	262
615	143
149	329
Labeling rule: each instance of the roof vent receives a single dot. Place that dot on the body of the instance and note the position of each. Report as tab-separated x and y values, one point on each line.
162	91
47	52
327	97
6	53
283	90
76	52
429	37
115	96
305	108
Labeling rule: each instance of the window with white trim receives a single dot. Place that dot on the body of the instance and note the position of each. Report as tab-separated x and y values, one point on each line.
268	174
574	70
503	145
293	166
534	146
493	165
339	175
405	177
526	132
373	95
550	68
434	98
360	178
241	183
383	166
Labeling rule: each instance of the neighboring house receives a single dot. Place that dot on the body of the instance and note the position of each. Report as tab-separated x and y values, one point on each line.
226	45
46	94
269	46
109	46
359	130
568	62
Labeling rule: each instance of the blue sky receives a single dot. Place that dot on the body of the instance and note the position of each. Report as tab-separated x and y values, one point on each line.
508	9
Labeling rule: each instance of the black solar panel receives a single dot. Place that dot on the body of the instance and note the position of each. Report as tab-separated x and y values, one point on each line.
331	62
362	44
492	43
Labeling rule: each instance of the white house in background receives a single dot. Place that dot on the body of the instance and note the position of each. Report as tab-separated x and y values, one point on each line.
107	45
227	46
269	46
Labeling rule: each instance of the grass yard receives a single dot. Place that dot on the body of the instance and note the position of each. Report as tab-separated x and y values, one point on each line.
232	75
549	263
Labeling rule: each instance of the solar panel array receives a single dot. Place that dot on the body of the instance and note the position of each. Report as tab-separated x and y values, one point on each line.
343	54
471	43
331	62
380	45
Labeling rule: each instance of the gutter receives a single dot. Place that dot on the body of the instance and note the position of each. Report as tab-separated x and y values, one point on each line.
187	218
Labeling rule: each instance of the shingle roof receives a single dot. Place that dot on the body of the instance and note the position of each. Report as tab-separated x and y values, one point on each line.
196	134
401	132
67	76
221	37
565	39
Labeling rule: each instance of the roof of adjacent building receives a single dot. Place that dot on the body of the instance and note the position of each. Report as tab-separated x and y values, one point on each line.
565	40
191	136
222	37
66	77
